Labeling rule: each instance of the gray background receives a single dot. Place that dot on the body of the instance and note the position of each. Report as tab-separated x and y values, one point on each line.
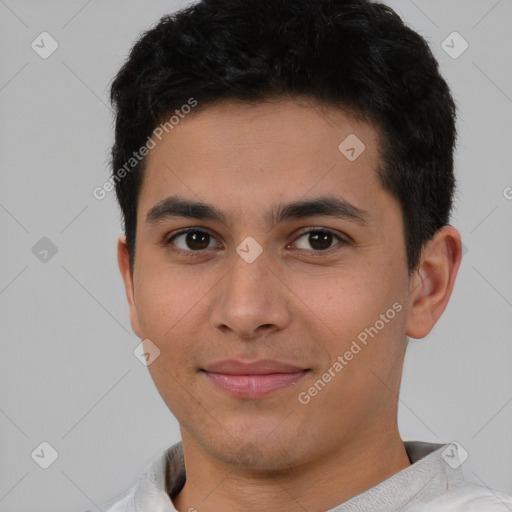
68	375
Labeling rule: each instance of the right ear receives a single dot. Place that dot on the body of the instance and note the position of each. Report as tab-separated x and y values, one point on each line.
123	261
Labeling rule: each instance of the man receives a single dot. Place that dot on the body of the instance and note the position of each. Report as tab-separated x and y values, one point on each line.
285	174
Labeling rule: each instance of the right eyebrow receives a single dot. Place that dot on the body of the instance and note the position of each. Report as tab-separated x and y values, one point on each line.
174	206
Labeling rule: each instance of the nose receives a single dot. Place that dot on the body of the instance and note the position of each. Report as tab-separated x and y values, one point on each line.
251	300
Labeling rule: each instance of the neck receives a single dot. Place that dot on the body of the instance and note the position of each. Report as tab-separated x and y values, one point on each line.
318	485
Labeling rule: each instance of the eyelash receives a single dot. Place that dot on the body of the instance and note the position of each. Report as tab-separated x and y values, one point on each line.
190	253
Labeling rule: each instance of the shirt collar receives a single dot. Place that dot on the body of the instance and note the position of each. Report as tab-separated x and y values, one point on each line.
427	477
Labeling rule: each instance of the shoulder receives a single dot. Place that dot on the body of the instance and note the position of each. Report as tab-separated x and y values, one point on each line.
468	497
149	491
121	503
124	503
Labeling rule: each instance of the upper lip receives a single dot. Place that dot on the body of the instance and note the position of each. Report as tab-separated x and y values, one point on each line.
261	367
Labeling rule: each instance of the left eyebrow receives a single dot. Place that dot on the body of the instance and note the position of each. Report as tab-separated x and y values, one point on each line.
330	206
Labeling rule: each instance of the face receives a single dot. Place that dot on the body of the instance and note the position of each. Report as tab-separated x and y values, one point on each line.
252	309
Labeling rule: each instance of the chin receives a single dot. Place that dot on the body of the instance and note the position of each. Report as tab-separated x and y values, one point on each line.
256	452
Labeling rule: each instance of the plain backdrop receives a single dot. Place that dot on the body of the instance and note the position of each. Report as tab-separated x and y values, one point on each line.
68	375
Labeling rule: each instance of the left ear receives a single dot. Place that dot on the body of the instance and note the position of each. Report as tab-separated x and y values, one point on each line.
123	261
432	282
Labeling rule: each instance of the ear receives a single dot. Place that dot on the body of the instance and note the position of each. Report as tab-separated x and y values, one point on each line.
123	261
432	282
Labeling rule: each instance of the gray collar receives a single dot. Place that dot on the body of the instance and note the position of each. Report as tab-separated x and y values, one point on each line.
429	476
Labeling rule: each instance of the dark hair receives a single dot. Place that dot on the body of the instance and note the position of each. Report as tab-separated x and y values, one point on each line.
355	55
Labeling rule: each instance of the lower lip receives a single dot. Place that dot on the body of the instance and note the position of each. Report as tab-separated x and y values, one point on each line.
254	386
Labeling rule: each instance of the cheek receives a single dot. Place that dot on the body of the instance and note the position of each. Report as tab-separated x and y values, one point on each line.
165	305
344	300
366	307
169	311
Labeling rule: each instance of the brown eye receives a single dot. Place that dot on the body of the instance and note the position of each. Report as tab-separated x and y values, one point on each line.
191	240
319	240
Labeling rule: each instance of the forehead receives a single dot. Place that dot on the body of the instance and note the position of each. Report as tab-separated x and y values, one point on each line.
252	155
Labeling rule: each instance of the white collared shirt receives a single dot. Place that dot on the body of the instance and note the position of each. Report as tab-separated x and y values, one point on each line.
430	484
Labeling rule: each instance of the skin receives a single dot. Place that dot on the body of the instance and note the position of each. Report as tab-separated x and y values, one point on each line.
293	304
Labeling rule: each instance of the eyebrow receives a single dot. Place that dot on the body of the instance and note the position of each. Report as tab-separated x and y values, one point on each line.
330	206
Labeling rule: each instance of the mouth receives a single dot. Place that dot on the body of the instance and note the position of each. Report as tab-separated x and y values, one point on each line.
253	380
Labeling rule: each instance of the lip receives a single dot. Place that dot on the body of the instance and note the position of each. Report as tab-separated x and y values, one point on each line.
261	367
255	379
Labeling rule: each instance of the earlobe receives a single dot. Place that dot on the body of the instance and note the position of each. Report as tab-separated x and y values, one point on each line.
433	281
123	261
